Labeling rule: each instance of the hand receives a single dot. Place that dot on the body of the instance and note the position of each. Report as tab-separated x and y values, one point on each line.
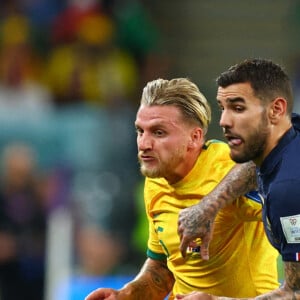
103	293
195	222
196	296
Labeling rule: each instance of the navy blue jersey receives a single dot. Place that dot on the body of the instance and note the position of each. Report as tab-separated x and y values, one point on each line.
279	185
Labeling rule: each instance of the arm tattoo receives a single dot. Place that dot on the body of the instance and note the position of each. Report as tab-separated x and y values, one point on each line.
240	180
197	220
154	281
292	275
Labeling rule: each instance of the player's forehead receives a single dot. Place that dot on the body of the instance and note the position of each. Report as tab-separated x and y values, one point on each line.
157	114
237	91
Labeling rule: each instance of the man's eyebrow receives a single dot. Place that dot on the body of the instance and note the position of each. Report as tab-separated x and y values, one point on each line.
232	100
235	99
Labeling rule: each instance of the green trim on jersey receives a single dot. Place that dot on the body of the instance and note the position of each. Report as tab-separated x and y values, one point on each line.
156	256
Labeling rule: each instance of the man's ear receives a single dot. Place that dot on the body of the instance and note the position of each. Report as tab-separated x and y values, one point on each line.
197	137
277	110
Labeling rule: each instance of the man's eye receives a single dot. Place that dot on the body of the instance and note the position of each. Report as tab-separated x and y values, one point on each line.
239	108
138	131
159	133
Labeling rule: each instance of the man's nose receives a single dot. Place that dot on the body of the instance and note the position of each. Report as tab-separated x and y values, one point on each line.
144	142
225	120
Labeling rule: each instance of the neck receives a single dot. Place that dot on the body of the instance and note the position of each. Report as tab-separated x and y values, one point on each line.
184	168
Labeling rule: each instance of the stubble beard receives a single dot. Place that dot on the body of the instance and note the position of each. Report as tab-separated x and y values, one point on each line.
150	172
256	143
162	168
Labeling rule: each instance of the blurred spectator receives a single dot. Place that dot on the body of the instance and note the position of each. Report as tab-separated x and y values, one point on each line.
99	252
90	69
105	216
41	14
140	35
61	53
22	226
65	24
21	89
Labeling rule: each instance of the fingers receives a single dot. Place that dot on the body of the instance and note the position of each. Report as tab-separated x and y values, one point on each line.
93	296
183	246
101	293
186	241
192	295
190	227
204	247
178	297
180	223
205	243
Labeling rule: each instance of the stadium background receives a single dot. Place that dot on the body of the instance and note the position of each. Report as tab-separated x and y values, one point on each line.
54	53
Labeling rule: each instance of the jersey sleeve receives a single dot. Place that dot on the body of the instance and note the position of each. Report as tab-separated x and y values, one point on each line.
154	248
283	219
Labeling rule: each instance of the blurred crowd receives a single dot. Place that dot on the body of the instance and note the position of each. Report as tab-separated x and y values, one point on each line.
56	53
71	77
56	56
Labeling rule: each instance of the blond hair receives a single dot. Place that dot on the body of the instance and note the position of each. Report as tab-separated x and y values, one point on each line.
182	93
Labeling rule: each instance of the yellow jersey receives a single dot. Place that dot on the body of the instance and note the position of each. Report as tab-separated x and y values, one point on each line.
242	261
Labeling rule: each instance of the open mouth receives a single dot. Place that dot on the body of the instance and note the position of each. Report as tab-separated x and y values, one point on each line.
233	140
146	157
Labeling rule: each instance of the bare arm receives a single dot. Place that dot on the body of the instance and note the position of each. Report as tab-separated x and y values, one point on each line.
154	281
197	220
290	290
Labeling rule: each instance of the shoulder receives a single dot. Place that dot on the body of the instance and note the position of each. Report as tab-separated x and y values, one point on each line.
284	196
290	162
217	149
215	144
154	187
216	153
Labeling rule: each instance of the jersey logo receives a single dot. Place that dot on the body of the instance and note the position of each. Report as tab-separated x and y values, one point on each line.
291	228
194	252
193	249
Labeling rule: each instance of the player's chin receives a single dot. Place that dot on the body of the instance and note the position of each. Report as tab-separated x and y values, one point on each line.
148	171
237	156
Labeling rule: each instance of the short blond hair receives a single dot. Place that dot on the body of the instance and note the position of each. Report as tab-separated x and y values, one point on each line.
182	93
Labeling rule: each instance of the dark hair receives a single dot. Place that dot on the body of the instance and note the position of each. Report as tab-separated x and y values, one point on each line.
267	79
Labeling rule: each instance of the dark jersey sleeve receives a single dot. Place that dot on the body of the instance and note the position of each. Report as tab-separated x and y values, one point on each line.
282	218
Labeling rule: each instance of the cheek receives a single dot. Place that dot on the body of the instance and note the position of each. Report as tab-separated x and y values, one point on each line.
179	142
246	122
169	149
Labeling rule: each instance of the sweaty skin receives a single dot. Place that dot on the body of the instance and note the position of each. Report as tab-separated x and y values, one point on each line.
197	220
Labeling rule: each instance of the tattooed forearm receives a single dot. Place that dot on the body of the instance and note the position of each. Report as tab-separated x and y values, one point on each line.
154	281
292	275
197	221
240	180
